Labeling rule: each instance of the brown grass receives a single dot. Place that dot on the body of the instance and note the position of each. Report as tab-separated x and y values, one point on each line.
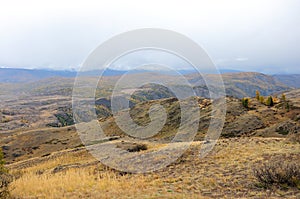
225	173
78	183
96	181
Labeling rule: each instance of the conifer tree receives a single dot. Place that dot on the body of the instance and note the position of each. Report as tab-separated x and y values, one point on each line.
257	94
245	102
2	162
283	98
270	101
261	99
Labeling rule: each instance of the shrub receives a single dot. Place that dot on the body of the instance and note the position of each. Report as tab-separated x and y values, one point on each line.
295	138
132	147
278	173
245	102
287	106
137	148
5	178
6	119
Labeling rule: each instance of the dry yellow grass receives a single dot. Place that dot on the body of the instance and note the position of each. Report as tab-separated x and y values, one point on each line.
76	183
84	183
96	181
225	173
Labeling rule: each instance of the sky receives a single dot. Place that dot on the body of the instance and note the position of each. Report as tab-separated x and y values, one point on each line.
248	35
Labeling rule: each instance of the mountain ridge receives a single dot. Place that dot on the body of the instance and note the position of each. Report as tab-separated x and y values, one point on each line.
21	75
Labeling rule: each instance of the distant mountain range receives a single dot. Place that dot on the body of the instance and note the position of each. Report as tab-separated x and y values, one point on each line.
16	75
49	82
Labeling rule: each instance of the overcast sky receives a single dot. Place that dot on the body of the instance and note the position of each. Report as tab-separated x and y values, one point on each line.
249	35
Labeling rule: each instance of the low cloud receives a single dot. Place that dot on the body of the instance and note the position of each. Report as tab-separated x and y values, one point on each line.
241	59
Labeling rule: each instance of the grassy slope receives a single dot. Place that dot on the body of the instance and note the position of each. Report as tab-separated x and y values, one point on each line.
260	120
225	173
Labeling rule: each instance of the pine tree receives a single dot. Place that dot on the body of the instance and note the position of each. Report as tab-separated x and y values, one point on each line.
283	98
245	102
261	99
287	107
257	94
2	162
270	101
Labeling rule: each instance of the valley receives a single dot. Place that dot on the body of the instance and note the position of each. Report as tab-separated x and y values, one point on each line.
42	148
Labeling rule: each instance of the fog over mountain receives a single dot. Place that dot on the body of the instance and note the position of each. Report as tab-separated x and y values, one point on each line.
60	35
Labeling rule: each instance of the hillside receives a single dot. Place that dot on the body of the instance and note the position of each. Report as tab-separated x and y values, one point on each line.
294	96
292	80
43	149
258	120
236	85
242	84
227	172
56	159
